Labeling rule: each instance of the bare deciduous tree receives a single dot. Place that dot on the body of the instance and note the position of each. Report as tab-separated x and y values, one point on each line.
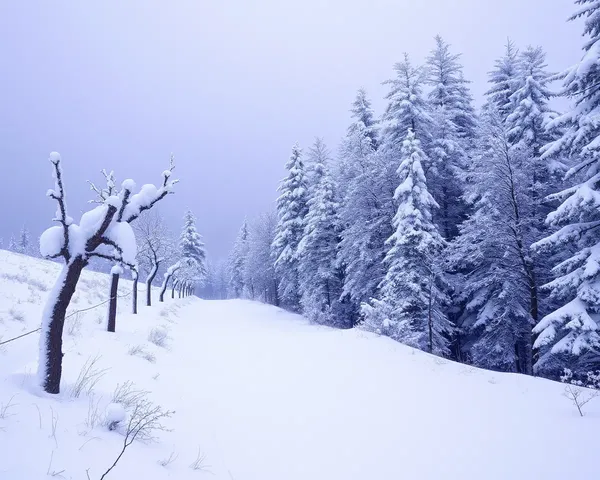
103	232
155	247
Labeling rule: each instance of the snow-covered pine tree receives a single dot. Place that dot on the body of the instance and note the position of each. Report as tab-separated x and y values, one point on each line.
503	80
450	89
366	207
24	242
237	262
453	131
362	112
410	305
193	253
320	277
407	109
12	244
292	207
259	268
529	104
569	336
499	282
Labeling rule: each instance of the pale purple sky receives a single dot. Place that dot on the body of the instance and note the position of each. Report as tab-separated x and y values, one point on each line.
228	86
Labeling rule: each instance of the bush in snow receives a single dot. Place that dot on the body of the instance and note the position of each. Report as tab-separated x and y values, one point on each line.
158	336
144	421
103	232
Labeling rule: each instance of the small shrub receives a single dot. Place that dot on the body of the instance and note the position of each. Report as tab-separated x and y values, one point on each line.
88	377
145	419
140	351
125	394
199	463
16	315
6	407
93	418
165	462
73	324
149	356
158	336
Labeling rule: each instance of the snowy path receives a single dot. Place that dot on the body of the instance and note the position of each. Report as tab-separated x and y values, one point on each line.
268	396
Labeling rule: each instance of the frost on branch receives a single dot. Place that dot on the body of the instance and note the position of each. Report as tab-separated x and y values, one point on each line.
107	224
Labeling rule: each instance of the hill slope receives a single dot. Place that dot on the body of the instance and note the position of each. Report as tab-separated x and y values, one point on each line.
263	395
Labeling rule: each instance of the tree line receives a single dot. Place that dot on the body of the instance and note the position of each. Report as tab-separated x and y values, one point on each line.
469	233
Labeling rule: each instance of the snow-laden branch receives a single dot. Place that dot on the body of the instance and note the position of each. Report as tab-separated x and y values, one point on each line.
107	224
62	217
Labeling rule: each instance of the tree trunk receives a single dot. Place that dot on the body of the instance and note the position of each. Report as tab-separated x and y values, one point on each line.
161	297
112	305
275	294
430	314
53	321
173	286
134	294
149	281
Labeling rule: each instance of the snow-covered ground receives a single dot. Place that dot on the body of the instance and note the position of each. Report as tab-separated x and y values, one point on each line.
263	395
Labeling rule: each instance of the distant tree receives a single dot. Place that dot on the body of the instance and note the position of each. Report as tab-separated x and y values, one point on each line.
237	263
103	232
215	286
24	242
189	268
259	268
292	207
12	244
155	247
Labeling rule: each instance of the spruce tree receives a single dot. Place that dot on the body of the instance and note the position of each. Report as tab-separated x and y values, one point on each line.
453	132
12	244
292	207
449	88
407	109
366	207
498	288
503	80
320	277
569	336
193	253
410	305
237	262
24	243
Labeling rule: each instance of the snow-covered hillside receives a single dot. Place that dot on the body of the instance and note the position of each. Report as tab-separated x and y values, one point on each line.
261	394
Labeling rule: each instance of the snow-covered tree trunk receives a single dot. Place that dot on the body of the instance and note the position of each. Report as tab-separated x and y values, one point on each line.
111	323
163	289
134	293
149	280
53	320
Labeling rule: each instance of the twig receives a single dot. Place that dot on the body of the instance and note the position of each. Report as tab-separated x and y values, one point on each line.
39	414
54	425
